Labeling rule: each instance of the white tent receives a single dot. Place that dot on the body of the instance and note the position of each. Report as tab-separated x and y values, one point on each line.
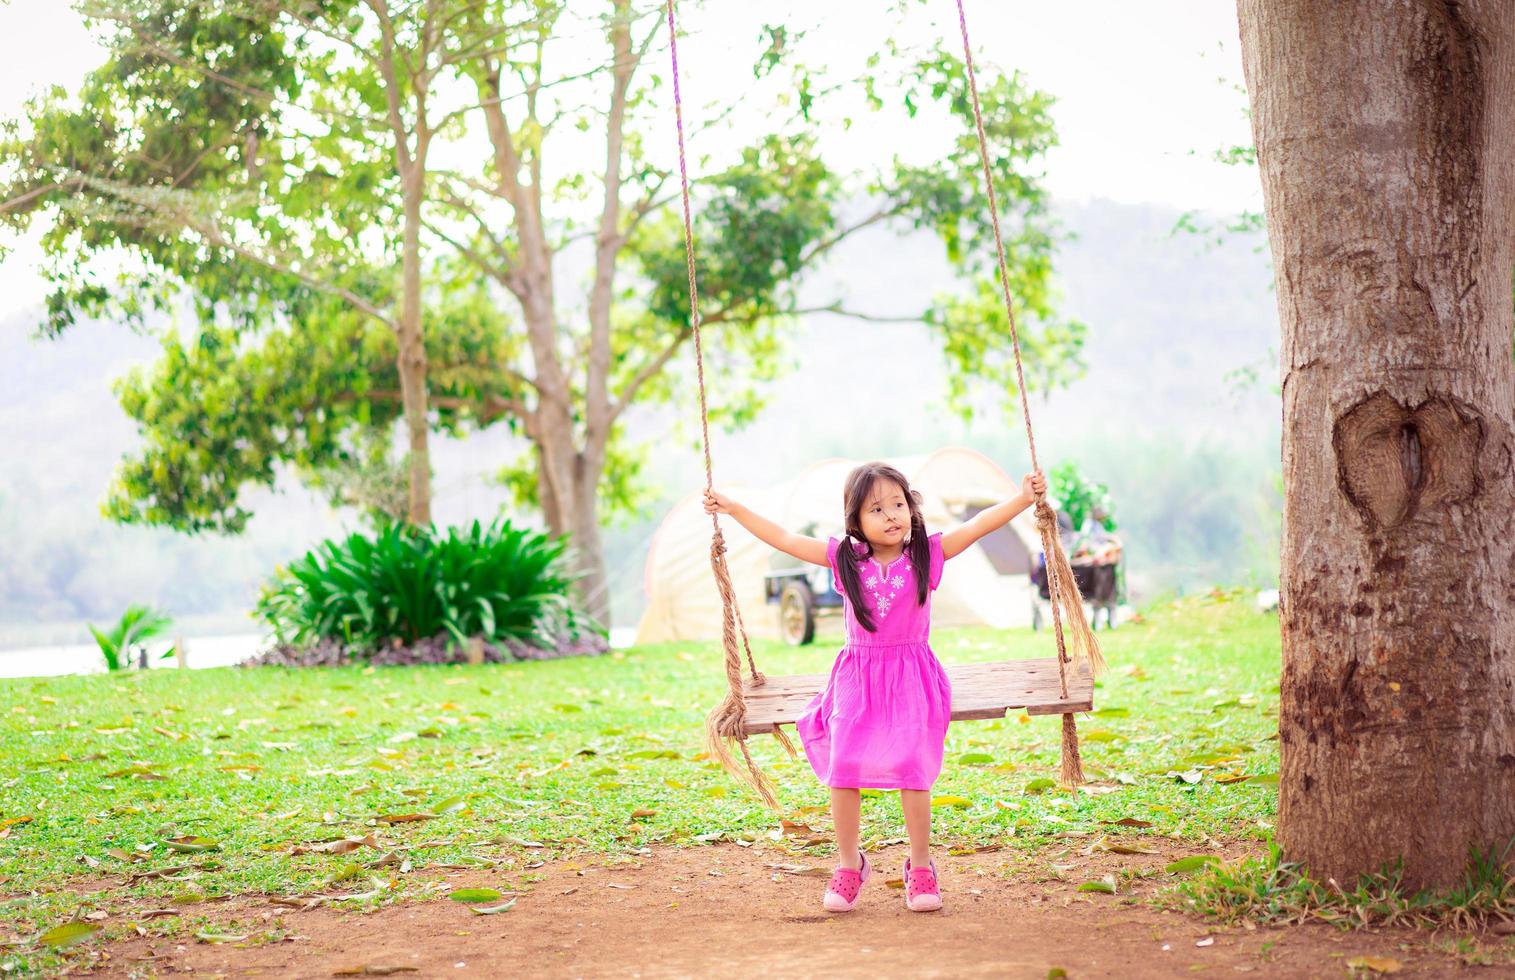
987	585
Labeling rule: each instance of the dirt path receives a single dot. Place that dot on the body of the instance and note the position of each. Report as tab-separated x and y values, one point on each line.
726	911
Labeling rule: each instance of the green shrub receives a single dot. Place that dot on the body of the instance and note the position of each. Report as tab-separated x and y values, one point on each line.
1079	497
409	584
136	627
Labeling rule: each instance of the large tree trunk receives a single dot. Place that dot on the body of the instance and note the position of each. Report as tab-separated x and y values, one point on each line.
412	358
594	585
1385	132
570	505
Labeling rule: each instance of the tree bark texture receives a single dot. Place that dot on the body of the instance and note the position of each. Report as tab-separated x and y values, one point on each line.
412	359
1385	132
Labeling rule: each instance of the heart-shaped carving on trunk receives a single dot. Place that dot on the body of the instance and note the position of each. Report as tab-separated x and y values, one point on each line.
1394	461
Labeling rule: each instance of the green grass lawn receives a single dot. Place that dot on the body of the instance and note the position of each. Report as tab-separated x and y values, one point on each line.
222	774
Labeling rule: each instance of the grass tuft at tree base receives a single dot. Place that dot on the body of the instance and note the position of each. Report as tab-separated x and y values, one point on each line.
1271	891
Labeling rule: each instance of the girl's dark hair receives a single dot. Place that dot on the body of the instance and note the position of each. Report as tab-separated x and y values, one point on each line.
860	483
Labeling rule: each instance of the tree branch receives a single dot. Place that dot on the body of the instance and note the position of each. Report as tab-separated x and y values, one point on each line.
150	46
214	236
505	276
282	8
645	373
650	369
609	241
386	64
507	162
22	200
486	409
825	245
836	309
648	204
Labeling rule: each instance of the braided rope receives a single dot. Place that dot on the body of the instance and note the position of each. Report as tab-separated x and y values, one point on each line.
723	727
1061	586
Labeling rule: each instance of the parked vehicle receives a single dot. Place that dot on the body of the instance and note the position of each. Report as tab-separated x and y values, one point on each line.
802	593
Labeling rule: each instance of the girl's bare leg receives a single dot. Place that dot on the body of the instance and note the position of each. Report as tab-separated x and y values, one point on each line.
916	805
846	816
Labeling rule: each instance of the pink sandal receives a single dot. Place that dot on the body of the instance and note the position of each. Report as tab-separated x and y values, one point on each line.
922	893
842	892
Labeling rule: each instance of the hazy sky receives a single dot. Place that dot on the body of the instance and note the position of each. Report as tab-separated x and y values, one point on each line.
1145	91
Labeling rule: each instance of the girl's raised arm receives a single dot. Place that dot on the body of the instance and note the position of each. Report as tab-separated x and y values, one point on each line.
812	550
962	537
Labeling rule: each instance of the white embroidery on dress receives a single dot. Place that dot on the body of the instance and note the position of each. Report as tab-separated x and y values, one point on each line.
877	583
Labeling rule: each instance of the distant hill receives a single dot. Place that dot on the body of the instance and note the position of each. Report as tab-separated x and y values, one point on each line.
1192	462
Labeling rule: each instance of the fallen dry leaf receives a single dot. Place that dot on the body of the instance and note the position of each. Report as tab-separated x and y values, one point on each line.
159	873
341	846
373	970
802	870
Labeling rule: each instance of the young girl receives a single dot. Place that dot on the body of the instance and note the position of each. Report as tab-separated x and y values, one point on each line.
881	720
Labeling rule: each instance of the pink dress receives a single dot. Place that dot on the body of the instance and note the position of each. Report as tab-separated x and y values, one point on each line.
881	720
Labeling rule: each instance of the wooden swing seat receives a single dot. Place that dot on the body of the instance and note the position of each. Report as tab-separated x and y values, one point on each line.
986	690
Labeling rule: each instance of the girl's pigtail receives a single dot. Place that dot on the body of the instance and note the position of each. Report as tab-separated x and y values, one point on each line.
846	569
919	548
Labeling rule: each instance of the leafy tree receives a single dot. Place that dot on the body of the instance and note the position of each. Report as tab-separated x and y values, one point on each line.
265	162
310	259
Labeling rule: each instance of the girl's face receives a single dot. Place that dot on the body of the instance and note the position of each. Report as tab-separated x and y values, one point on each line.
885	519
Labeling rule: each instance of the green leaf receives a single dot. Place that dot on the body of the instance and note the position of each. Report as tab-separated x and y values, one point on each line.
1039	785
449	805
954	801
67	934
1099	735
191	845
475	895
1191	864
975	759
1103	887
